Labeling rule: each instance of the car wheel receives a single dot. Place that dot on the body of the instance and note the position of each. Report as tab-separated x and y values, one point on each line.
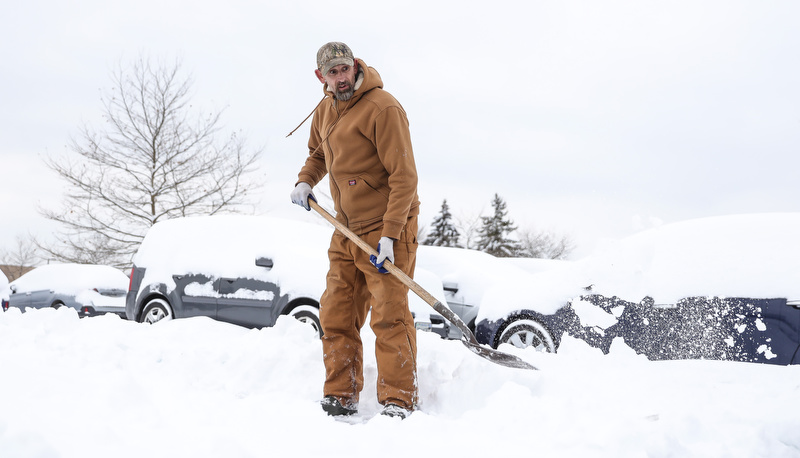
57	304
524	333
309	315
156	310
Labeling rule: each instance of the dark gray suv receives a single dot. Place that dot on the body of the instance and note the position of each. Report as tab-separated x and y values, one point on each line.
245	270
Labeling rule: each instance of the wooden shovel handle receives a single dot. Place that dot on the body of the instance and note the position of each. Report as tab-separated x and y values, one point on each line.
393	269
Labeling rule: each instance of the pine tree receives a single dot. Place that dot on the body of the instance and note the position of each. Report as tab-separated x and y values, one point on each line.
443	233
492	236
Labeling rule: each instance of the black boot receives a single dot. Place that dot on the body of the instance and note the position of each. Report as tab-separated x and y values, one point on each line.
333	407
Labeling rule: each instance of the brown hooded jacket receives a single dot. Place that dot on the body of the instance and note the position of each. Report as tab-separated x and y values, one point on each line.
365	145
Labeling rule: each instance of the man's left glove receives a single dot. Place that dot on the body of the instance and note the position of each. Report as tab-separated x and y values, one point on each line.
301	193
385	251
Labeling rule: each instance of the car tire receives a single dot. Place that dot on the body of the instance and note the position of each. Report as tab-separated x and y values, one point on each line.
309	315
525	332
156	310
57	304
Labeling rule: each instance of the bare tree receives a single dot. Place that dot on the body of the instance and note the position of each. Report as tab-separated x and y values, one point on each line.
22	258
157	159
544	245
468	225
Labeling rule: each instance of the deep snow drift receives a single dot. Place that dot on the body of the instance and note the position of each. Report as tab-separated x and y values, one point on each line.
103	386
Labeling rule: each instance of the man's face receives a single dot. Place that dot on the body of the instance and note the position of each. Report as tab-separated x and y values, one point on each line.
341	80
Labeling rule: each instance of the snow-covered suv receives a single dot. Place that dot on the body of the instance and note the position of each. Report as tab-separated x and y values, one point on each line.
246	270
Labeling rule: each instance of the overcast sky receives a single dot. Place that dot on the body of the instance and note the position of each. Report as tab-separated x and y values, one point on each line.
593	119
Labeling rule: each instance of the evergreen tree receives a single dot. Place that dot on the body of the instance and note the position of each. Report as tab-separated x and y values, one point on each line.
492	236
443	233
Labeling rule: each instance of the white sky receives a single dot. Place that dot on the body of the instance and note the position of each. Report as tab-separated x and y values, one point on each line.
593	119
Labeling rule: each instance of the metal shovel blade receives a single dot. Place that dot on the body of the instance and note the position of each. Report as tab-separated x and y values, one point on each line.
498	357
469	340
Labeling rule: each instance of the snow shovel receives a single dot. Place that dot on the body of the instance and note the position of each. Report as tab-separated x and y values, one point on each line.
468	338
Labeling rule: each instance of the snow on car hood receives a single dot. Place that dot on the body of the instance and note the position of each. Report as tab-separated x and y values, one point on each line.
733	256
472	271
755	255
484	280
71	279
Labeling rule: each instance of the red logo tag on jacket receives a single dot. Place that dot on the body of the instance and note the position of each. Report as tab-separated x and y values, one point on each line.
352	182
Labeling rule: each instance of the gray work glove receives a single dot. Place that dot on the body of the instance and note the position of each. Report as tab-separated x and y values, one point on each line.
385	251
301	193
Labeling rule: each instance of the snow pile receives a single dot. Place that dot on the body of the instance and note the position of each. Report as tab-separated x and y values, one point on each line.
103	386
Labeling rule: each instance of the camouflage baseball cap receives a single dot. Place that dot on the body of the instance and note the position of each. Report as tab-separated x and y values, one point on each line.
333	54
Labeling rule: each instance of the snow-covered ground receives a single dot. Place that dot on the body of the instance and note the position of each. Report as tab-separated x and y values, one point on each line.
106	387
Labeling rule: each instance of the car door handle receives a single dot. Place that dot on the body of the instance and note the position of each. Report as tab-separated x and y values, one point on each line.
265	262
226	285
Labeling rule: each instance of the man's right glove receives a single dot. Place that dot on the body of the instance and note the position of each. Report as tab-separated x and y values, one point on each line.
301	193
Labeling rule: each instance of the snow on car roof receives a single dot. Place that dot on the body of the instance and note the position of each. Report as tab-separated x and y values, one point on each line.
228	245
71	278
755	255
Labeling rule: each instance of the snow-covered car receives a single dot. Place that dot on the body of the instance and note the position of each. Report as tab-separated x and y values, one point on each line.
467	274
245	270
724	288
88	288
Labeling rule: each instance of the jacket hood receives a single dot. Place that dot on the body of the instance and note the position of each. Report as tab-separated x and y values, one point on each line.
367	79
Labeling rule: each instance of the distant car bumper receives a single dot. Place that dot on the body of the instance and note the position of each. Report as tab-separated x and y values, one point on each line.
88	311
437	325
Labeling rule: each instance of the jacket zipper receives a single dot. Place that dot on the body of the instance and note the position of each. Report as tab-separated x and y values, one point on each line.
339	116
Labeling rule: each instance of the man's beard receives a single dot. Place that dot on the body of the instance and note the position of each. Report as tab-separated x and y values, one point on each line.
344	96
